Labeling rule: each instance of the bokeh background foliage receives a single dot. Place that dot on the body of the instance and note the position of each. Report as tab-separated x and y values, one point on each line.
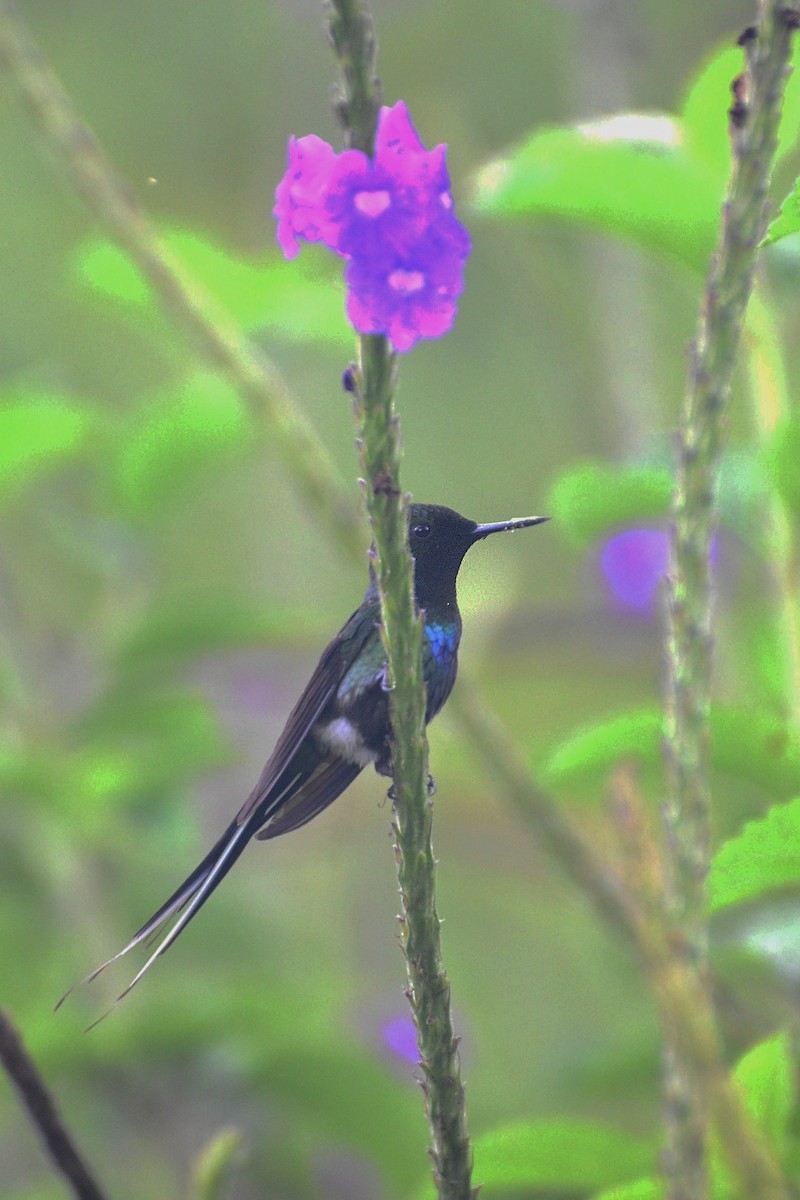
163	594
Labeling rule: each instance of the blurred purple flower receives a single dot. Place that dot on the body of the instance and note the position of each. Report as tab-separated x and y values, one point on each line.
400	1036
634	562
391	217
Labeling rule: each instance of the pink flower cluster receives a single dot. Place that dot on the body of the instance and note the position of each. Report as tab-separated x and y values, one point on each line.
390	217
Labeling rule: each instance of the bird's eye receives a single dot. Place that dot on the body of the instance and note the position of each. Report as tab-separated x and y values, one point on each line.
421	530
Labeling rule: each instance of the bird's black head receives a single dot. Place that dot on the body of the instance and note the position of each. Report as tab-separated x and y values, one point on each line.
439	538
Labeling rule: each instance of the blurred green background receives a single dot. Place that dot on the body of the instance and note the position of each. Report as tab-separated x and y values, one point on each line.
164	594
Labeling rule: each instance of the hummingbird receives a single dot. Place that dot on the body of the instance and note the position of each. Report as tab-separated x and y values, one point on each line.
341	722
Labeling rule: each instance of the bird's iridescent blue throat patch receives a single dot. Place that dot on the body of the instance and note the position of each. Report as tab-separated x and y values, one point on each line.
443	640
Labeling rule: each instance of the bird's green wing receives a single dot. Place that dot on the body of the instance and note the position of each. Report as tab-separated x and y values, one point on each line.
337	657
322	787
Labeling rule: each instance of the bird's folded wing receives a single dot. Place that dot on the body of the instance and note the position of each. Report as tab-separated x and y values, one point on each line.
327	782
328	674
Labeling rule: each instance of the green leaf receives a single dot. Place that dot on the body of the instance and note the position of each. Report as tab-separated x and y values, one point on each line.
298	301
766	1075
178	632
704	117
558	1155
655	180
765	855
597	748
642	1189
37	434
179	436
756	747
140	744
787	221
627	175
782	461
568	1155
212	1165
744	743
594	497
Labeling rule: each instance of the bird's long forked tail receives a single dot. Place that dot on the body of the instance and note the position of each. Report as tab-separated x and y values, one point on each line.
187	901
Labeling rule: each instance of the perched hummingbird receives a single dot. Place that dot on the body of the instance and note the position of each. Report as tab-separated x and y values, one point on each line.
340	724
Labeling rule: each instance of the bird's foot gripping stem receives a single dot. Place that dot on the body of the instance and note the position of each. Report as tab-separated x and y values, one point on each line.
430	788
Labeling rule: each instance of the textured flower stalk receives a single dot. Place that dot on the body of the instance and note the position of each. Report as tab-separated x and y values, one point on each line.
373	384
754	122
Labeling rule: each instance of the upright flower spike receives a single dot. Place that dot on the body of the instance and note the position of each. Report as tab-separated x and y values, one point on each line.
391	217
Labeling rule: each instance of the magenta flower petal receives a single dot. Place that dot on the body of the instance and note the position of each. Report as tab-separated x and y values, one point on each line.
411	296
302	196
391	217
396	133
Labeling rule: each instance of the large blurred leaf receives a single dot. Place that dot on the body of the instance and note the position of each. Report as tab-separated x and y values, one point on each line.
594	497
179	435
175	633
343	1095
744	743
596	748
297	301
37	434
655	180
138	745
766	1075
556	1156
782	461
704	116
642	1189
765	855
627	175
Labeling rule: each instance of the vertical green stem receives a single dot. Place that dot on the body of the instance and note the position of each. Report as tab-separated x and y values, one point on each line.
754	122
379	449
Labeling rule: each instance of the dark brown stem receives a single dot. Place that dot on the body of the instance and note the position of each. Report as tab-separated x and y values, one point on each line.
43	1111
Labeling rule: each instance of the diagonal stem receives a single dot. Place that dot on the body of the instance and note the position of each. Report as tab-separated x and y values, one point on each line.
250	372
44	1114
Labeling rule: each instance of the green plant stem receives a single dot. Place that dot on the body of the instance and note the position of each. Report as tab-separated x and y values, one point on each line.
44	1114
428	988
211	330
686	1017
360	94
250	373
252	376
701	439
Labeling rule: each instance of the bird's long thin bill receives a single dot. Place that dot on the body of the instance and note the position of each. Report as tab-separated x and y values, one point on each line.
483	531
